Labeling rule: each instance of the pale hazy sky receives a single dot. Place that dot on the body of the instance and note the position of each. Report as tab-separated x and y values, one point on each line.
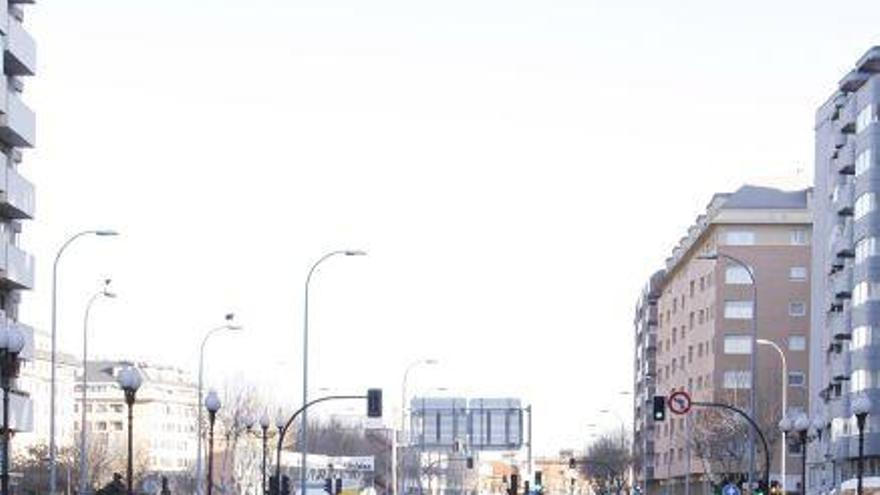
516	170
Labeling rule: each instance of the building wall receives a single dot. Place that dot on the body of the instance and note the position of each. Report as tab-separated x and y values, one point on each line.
693	329
846	357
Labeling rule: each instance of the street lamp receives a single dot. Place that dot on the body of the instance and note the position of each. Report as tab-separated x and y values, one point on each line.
399	459
305	385
11	345
226	326
83	446
861	406
54	353
784	403
212	404
280	423
264	427
799	424
753	354
130	381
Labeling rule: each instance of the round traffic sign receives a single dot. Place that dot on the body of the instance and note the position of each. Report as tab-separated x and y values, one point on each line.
730	489
680	402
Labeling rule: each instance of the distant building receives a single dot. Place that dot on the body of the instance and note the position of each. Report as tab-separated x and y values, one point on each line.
165	414
846	278
703	339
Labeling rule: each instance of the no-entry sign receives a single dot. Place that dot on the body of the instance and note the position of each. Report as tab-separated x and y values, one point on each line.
680	402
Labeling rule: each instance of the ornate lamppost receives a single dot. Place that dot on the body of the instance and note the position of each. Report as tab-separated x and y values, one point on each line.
861	406
130	381
212	404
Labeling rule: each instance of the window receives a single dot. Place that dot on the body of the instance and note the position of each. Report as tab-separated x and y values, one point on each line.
863	162
863	336
867	116
797	308
690	354
117	425
737	275
102	425
797	379
797	273
701	317
863	380
737	344
700	350
797	343
737	379
690	321
674	336
692	288
866	203
702	283
738	310
116	408
739	238
700	382
865	248
864	292
798	237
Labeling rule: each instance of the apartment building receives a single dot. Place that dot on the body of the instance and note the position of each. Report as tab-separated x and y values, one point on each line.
704	324
165	415
646	315
17	132
846	278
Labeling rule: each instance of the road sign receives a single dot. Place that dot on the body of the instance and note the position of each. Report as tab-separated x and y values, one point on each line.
680	403
730	489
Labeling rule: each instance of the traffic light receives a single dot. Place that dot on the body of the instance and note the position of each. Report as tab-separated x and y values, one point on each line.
374	403
659	407
328	486
273	485
514	484
338	486
285	484
538	478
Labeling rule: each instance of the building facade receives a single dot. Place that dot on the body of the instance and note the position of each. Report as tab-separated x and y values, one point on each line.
703	340
646	315
846	278
17	132
165	415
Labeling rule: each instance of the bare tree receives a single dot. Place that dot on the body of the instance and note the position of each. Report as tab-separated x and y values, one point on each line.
608	460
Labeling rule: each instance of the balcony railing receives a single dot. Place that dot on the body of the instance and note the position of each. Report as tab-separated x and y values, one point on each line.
18	124
18	267
20	54
17	195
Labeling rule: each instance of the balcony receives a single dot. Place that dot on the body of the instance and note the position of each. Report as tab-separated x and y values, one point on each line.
843	199
16	195
842	284
652	314
17	267
840	367
846	123
839	140
845	161
18	123
20	53
841	325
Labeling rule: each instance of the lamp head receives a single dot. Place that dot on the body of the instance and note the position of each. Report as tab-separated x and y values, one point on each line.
230	317
802	423
212	401
280	420
431	361
106	233
129	378
355	252
249	421
708	257
861	405
107	292
264	420
785	424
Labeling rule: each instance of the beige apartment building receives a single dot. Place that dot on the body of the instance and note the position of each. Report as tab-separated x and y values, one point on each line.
703	339
164	419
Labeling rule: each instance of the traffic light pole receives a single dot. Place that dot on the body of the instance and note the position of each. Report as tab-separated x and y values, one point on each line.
291	420
754	425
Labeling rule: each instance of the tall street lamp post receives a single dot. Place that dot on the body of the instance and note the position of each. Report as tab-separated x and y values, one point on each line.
264	436
53	474
400	459
226	326
11	344
212	404
83	441
861	406
783	447
753	358
280	423
130	381
305	385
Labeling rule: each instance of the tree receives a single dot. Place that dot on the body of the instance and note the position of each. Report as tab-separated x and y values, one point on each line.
608	460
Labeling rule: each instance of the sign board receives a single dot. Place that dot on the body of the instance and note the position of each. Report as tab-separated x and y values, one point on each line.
730	489
440	424
680	402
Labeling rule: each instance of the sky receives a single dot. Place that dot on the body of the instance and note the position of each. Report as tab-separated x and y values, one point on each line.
515	169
